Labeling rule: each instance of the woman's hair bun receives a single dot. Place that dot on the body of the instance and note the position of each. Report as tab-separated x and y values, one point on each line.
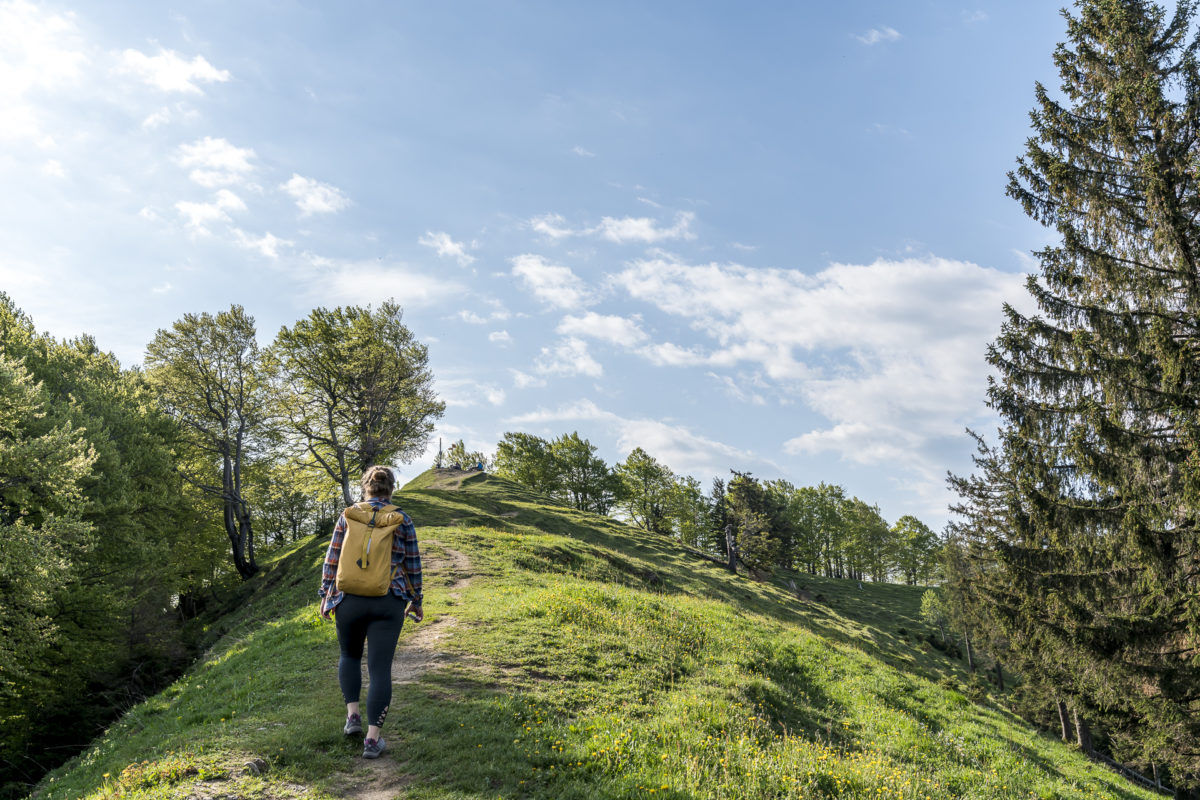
378	481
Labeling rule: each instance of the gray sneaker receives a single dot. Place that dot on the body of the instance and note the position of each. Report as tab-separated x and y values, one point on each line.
372	748
353	725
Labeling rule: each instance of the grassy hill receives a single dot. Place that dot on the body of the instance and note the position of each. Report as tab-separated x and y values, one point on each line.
565	655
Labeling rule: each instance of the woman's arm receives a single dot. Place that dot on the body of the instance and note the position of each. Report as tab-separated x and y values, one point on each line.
329	568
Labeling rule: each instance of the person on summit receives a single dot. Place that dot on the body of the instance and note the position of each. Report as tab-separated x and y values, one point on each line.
371	574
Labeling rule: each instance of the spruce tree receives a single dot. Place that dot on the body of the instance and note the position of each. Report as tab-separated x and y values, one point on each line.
718	518
1083	519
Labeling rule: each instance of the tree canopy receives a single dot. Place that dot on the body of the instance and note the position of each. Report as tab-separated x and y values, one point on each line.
208	373
92	516
355	390
1078	530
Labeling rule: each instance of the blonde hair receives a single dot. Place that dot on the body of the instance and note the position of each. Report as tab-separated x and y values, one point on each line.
378	481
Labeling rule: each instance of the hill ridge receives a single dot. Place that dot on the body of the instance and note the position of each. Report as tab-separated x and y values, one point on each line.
587	659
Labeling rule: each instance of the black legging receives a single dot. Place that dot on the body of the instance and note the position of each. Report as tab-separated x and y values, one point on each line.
379	620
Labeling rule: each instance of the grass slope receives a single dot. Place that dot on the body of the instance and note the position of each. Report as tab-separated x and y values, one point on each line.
587	660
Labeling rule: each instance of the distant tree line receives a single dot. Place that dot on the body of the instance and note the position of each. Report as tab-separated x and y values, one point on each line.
773	523
130	497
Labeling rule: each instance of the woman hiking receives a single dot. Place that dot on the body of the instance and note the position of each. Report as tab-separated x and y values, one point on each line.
372	572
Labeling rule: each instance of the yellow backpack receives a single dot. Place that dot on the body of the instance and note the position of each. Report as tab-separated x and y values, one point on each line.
365	565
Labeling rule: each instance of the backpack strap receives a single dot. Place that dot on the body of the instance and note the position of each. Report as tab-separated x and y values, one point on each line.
399	570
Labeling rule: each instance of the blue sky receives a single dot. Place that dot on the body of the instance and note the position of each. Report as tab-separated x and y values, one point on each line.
770	237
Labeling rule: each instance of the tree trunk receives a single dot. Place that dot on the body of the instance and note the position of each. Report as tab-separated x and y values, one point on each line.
967	647
236	543
731	548
247	534
231	518
999	676
1064	721
1083	734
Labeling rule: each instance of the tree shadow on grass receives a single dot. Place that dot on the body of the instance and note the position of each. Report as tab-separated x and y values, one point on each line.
602	549
793	698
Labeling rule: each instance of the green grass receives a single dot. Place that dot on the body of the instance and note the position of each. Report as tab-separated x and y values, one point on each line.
589	660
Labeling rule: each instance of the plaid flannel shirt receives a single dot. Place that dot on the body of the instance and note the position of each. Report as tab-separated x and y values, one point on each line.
404	551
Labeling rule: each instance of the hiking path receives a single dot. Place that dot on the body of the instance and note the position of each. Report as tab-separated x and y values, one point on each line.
418	653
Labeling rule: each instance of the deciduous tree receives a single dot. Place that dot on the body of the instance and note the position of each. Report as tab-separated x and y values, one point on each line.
207	372
645	490
91	515
689	511
527	460
355	389
586	481
916	549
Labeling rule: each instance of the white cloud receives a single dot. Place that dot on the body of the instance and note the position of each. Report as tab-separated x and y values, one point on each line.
582	410
668	354
582	152
551	225
974	17
569	357
860	441
314	197
891	353
445	247
884	129
644	229
170	72
268	244
215	162
880	34
738	389
466	392
162	288
40	51
1028	262
553	284
618	330
649	202
165	114
681	449
24	276
676	446
198	216
54	169
346	282
499	312
499	337
157	119
470	317
523	380
622	230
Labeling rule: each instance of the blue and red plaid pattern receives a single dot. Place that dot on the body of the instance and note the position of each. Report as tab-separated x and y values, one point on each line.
404	551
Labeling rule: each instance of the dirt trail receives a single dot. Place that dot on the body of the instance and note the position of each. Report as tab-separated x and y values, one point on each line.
423	650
